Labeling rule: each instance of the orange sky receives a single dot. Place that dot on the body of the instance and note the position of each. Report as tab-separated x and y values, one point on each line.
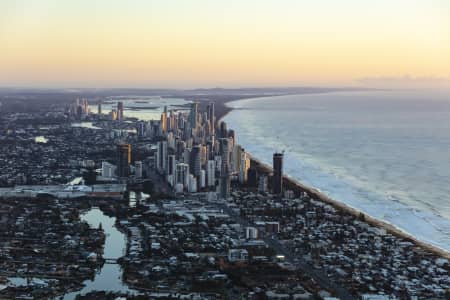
203	43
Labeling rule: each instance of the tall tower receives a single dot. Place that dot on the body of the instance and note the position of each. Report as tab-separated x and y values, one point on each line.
99	108
223	130
211	118
164	120
194	115
224	169
196	160
161	155
182	174
138	169
211	173
277	186
123	160
120	111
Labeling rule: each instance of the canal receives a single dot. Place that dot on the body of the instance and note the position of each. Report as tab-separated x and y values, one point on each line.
109	277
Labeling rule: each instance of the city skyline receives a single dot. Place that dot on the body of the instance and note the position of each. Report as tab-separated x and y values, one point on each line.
180	44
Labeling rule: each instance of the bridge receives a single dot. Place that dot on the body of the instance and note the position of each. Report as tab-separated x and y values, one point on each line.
111	261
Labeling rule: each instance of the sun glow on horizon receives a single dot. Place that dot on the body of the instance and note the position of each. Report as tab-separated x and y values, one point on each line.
184	43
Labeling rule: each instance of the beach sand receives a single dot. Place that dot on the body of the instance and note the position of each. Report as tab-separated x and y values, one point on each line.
222	110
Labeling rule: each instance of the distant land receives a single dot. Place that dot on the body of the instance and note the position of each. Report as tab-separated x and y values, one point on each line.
18	99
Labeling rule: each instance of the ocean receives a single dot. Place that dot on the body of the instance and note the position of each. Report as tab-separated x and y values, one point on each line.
386	153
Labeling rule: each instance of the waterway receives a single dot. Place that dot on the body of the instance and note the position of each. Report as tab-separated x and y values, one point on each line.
109	277
85	125
142	107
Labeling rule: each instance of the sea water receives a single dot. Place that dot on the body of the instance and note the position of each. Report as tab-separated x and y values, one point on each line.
386	153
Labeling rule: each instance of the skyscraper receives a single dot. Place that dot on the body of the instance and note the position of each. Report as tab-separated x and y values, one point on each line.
196	160
223	130
182	174
277	186
119	111
161	155
225	169
138	169
164	120
211	117
123	160
171	165
193	116
99	108
211	173
244	166
171	169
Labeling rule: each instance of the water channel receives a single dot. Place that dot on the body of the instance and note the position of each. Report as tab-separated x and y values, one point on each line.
109	277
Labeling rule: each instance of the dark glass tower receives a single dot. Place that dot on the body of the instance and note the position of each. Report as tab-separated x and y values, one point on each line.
123	160
119	110
277	186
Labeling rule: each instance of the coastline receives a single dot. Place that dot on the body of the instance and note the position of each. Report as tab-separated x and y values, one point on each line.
297	186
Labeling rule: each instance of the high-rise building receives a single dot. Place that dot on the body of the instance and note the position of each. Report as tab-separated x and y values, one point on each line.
223	130
172	121
225	152
113	114
277	186
194	115
252	177
99	108
262	184
171	169
251	233
164	120
123	160
141	128
108	170
211	173
244	166
180	146
138	169
224	169
211	118
171	165
196	160
182	174
202	179
236	158
161	155
119	111
192	187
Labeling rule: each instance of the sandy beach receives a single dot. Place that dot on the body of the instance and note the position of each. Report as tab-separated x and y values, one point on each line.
222	110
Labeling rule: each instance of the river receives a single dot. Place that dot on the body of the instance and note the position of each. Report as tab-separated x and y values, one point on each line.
109	278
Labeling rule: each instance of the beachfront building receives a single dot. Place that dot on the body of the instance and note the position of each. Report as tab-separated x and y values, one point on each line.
277	185
213	161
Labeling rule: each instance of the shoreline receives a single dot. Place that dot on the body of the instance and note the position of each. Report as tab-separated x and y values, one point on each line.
296	185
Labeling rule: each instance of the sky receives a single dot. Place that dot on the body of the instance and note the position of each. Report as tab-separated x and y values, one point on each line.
218	43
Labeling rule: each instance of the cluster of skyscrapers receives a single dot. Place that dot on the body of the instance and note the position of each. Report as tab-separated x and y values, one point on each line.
193	157
116	114
80	108
195	153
